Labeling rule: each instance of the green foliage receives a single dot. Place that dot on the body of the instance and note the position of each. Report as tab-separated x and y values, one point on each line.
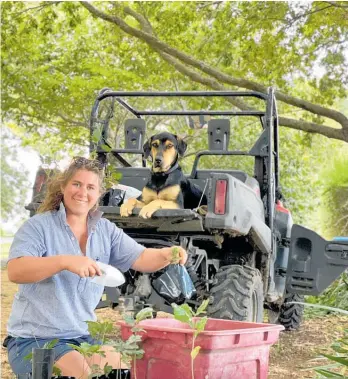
339	369
184	313
334	200
130	349
175	255
100	330
56	56
14	179
87	350
335	296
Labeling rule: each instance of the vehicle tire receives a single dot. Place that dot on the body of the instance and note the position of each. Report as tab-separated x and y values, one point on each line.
237	294
288	315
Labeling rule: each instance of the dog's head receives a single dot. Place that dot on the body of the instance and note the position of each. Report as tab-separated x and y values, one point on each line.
164	149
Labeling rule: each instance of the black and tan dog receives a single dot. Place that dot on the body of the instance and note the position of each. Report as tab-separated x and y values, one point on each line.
167	187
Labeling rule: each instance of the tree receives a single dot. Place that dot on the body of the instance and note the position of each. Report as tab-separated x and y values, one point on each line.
334	205
210	76
217	44
14	179
57	55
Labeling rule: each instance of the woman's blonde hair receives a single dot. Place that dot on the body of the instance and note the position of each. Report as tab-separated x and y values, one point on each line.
54	194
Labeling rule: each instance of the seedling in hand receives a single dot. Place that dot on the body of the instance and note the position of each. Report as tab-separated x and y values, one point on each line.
175	258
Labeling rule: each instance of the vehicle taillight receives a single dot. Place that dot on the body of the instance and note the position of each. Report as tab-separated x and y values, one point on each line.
280	207
220	197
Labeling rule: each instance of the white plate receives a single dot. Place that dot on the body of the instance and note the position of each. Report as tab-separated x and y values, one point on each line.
111	276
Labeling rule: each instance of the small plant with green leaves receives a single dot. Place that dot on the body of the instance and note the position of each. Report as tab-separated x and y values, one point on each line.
48	345
184	313
175	257
338	369
130	350
99	331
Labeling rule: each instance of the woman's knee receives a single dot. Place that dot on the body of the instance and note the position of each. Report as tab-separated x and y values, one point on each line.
112	358
73	364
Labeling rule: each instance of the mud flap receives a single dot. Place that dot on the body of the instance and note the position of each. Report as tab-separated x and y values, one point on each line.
314	263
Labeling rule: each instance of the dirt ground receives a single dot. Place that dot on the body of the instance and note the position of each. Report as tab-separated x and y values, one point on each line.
290	358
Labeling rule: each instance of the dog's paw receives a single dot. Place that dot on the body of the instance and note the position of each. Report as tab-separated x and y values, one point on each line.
148	211
127	208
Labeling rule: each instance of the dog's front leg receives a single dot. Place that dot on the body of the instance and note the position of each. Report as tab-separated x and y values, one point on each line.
127	208
149	209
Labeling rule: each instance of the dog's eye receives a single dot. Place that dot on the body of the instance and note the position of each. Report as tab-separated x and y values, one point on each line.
169	146
155	145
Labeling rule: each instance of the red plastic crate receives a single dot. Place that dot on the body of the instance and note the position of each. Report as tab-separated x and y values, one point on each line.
229	349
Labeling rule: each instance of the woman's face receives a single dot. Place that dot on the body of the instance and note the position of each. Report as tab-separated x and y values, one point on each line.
81	193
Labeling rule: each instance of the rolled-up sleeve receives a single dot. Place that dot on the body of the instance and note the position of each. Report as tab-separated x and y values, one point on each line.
27	242
124	249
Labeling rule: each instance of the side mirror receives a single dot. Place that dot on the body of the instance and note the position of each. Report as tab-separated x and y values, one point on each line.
314	263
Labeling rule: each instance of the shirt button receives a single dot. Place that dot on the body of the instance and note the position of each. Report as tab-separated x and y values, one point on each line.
72	238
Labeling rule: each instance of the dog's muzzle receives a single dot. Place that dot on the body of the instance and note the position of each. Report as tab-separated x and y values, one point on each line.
158	162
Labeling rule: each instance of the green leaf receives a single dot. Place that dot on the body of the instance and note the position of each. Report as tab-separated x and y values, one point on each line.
341	360
129	319
87	350
195	352
144	314
96	135
106	148
107	369
137	329
133	339
200	325
57	371
329	374
51	344
28	357
202	308
181	314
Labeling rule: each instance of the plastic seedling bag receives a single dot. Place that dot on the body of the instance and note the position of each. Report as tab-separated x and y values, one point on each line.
175	284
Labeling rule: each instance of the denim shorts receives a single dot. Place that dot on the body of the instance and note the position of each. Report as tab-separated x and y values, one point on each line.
18	348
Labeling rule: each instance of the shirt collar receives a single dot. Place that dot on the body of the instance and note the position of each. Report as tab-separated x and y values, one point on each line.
93	217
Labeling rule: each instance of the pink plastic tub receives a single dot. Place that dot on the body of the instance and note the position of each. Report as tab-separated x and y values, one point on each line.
229	349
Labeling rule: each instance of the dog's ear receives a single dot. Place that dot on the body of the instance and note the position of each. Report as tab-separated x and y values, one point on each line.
182	145
147	148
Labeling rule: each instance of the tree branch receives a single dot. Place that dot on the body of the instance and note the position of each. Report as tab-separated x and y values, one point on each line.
183	69
335	4
158	45
39	8
73	122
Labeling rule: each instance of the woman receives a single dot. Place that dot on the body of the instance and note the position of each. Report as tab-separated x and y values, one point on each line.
53	258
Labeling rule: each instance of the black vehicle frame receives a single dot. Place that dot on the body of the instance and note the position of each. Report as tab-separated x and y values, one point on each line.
266	281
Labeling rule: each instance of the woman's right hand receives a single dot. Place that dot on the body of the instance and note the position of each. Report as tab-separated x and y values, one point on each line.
82	266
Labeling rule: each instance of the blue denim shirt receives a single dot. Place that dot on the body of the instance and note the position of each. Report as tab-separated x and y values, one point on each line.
59	306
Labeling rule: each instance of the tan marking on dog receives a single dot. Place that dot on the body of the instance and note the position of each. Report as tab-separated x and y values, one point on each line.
127	208
170	193
169	155
149	195
154	147
148	210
